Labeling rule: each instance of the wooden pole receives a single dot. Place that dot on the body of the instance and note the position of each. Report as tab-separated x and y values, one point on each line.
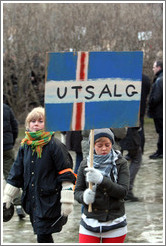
91	161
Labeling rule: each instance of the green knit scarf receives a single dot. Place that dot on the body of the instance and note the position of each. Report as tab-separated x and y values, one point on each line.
37	140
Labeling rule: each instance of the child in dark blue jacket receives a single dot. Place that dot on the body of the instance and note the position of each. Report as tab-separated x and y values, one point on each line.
44	172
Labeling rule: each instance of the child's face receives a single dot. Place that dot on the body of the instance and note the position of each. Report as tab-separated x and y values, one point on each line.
103	146
36	124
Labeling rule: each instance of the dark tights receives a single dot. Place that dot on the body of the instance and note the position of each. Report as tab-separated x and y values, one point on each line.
44	238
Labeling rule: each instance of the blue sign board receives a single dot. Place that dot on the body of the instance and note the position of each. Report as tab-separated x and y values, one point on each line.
89	90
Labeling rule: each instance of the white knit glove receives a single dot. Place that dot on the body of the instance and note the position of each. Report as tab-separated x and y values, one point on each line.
93	175
10	192
67	198
88	196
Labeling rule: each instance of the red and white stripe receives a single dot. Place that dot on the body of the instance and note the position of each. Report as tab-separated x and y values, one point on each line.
78	116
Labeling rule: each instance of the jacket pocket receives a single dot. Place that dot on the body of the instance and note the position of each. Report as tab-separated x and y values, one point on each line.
48	202
47	191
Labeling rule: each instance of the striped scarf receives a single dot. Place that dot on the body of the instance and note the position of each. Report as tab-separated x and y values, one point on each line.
37	140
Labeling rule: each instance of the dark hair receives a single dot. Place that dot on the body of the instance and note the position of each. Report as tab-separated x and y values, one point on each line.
159	64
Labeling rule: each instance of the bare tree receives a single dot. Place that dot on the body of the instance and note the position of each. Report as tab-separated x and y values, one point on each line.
32	29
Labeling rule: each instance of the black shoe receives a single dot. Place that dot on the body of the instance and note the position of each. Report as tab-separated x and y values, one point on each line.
156	155
20	212
131	197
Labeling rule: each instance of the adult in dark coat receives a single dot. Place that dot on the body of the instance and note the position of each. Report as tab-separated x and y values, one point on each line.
43	171
10	134
155	106
132	143
73	142
135	139
10	130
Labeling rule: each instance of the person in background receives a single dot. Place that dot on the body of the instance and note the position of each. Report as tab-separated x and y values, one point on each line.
44	172
135	140
155	106
145	89
132	143
10	134
106	223
73	143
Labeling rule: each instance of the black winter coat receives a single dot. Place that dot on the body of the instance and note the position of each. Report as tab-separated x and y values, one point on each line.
10	127
109	199
40	180
155	105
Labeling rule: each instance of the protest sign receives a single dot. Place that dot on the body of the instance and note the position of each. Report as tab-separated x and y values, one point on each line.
88	90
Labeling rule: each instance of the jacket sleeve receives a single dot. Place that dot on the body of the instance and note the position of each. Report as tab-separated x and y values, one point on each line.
63	162
156	95
119	189
80	184
16	173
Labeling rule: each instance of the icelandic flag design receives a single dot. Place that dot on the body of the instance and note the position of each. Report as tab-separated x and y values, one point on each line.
88	90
